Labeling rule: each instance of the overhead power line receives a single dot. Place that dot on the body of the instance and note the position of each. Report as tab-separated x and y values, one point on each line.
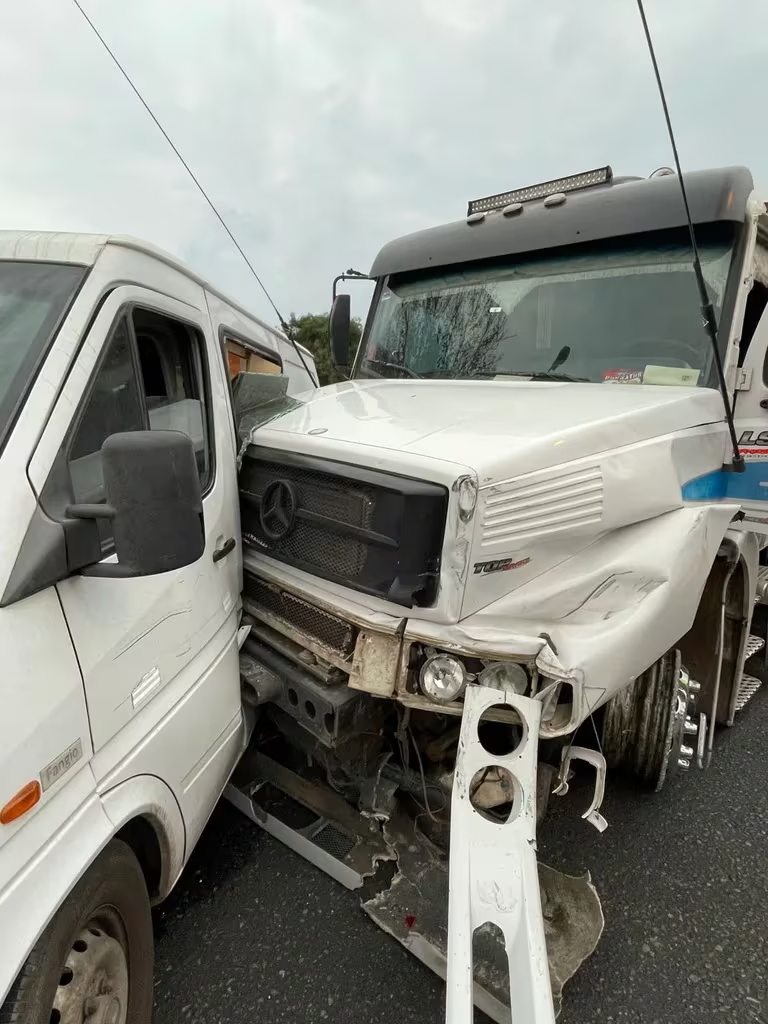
200	188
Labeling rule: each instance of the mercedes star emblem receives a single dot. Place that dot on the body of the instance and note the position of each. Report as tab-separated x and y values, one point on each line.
278	509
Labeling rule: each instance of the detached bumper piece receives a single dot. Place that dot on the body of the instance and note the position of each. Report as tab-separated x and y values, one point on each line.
494	878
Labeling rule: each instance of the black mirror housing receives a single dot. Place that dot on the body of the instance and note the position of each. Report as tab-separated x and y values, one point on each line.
152	485
153	500
339	325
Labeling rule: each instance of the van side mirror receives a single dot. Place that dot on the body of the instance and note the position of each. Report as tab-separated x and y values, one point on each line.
153	501
339	330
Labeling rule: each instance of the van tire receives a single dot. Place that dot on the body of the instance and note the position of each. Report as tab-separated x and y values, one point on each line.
110	903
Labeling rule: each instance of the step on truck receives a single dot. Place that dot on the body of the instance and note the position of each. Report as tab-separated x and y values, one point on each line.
400	607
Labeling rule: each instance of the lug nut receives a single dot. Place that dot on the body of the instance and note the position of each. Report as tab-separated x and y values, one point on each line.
690	728
686	751
683	762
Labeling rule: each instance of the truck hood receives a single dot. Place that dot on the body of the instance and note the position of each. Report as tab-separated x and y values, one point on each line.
482	424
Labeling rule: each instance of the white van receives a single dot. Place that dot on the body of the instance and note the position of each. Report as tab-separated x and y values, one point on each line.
121	715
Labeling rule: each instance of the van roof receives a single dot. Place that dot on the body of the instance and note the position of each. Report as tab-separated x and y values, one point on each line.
84	249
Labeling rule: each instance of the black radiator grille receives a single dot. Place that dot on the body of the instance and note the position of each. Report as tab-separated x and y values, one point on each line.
377	532
324	496
330	630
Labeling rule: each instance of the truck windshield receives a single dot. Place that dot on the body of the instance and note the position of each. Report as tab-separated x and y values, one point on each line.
33	298
625	310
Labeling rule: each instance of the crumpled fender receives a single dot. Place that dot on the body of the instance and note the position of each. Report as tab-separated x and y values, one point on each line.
603	616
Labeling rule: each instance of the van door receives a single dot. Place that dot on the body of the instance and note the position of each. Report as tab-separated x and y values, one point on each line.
158	654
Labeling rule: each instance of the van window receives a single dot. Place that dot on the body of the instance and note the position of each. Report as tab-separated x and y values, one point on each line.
114	405
247	358
151	377
33	300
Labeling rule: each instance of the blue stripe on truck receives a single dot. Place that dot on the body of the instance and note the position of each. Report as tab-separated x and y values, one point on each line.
751	485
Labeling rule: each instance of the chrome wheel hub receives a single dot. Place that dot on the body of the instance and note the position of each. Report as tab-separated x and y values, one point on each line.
687	730
93	988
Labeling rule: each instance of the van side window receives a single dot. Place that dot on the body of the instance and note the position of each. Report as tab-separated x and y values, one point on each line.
245	358
152	376
113	405
172	361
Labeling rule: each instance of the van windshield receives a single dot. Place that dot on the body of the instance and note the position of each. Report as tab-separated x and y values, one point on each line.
33	299
625	310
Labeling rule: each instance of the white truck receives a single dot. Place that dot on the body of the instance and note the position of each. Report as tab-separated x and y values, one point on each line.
516	519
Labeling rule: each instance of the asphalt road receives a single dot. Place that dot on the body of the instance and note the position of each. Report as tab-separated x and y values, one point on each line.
255	935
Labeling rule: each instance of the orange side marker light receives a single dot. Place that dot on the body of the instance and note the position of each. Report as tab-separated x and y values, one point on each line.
24	801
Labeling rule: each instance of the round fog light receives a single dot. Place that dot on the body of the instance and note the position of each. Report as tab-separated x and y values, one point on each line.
443	678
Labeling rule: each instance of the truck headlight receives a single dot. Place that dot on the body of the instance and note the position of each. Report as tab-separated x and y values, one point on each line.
442	678
505	675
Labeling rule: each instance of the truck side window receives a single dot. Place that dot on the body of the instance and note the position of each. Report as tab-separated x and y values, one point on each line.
756	305
152	376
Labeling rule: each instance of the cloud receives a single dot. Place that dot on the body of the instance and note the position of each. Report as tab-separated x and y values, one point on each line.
322	128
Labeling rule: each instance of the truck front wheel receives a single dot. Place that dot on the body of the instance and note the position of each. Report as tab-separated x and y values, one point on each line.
94	961
650	729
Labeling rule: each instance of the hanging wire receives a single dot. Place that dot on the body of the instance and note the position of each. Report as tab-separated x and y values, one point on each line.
283	323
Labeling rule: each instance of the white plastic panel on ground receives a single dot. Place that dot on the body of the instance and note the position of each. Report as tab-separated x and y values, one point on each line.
493	872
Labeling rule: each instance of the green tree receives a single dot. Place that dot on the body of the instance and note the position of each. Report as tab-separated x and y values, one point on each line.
311	330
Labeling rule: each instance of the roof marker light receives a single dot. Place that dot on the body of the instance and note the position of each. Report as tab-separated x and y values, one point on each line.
572	183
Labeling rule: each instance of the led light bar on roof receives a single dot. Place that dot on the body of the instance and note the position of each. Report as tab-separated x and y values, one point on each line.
574	182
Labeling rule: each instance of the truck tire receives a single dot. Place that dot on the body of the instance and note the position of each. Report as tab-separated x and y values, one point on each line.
648	729
94	961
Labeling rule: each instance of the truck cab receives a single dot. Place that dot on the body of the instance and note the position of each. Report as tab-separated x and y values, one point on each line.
525	488
122	714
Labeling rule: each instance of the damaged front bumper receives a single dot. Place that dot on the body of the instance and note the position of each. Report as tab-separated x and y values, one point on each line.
515	930
502	930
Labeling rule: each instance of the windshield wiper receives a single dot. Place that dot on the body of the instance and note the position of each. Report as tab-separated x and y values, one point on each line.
394	366
533	374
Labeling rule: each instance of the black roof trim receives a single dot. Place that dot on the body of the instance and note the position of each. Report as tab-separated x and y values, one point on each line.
628	208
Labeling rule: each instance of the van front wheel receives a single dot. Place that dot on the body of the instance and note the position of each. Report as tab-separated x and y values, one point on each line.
94	961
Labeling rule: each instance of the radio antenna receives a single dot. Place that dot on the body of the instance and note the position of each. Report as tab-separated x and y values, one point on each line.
283	323
707	309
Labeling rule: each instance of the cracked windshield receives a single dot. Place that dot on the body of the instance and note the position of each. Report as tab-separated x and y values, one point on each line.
615	312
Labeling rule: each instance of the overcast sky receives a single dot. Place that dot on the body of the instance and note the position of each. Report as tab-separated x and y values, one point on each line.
323	128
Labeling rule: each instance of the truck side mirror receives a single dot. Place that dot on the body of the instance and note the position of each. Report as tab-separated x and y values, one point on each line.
153	501
339	329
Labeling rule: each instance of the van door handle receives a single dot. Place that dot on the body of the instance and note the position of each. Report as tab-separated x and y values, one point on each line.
225	549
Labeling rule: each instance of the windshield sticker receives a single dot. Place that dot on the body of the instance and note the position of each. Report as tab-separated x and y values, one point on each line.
499	565
672	375
623	376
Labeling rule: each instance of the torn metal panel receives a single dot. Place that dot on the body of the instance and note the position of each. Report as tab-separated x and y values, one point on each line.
493	872
312	820
413	909
258	398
